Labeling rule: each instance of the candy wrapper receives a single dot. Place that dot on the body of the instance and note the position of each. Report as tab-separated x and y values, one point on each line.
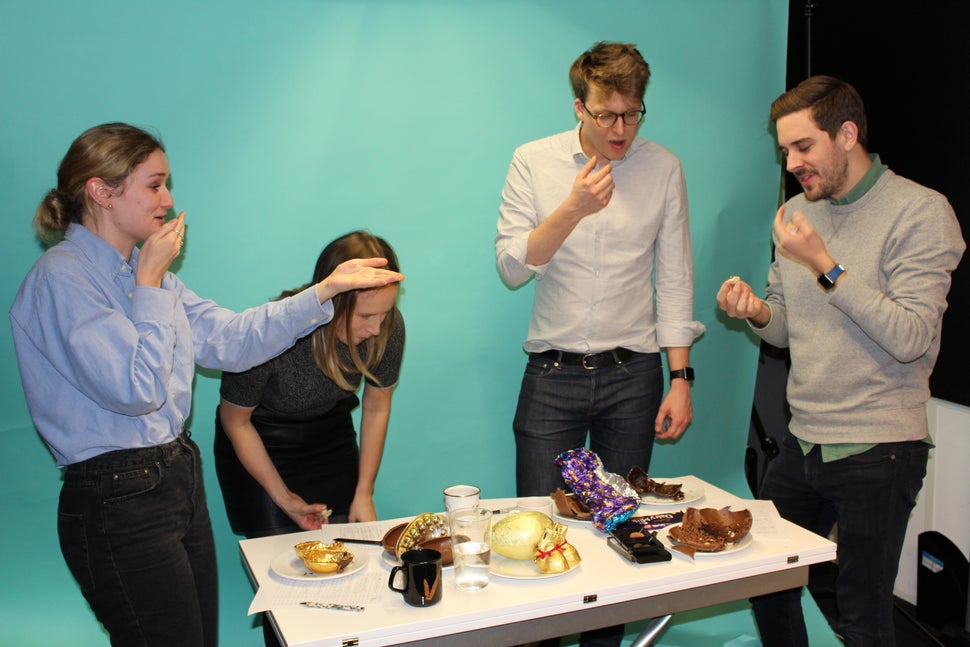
553	553
608	495
652	521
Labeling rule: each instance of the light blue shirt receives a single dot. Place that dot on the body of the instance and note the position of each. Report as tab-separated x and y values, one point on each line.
108	365
598	290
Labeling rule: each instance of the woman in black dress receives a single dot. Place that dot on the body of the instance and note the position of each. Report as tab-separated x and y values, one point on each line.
286	449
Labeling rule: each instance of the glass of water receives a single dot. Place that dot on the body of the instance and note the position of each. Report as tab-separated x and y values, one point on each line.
471	533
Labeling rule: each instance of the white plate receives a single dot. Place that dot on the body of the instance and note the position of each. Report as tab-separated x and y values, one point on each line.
663	535
562	517
691	493
519	569
573	519
290	566
391	560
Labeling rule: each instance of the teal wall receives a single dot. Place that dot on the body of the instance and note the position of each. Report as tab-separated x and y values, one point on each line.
290	122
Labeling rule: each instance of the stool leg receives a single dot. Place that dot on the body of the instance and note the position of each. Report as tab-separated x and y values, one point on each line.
651	632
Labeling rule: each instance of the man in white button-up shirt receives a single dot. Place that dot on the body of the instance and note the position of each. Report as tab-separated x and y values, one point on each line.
599	217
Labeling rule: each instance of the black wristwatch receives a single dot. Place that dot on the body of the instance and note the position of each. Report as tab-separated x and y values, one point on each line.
827	279
686	373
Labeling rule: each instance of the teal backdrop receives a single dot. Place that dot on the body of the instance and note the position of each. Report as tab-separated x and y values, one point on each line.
291	122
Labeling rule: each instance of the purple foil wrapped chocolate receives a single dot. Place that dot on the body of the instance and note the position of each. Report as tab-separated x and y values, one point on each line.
608	495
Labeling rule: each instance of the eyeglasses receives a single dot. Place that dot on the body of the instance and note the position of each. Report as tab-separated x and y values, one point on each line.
607	119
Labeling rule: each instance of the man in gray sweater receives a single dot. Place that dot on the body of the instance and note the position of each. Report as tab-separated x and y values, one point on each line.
856	292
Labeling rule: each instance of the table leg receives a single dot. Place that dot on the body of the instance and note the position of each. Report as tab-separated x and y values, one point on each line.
651	632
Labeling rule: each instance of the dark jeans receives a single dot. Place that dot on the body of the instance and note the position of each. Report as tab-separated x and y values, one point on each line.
135	532
559	405
870	496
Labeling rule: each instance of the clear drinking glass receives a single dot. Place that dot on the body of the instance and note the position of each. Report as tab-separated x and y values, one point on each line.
461	496
471	533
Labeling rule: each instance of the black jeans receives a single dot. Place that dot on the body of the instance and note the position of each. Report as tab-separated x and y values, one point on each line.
134	530
870	496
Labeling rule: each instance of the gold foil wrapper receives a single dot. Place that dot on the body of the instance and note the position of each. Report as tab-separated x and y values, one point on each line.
553	553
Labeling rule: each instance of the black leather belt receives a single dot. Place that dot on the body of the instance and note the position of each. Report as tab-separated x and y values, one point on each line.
589	361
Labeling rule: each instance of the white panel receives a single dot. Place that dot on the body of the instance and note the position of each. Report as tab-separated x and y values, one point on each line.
944	503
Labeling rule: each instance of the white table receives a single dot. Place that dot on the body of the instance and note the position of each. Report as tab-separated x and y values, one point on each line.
604	590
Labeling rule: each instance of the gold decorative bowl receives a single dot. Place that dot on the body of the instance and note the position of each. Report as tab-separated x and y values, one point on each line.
324	558
305	547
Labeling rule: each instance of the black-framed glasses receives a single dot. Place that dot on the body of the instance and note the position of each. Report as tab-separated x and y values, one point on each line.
607	119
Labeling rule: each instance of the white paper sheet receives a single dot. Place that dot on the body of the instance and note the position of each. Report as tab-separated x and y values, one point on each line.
358	589
766	522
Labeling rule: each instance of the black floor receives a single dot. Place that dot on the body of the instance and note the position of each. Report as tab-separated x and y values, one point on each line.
909	631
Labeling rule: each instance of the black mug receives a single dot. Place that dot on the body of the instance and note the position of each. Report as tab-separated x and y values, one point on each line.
421	572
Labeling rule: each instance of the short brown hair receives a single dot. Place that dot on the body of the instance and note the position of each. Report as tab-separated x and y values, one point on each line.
832	103
616	67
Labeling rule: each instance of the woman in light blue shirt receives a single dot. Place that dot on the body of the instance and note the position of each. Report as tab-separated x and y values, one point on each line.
107	341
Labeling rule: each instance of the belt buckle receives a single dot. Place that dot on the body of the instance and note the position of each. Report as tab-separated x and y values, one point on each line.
583	361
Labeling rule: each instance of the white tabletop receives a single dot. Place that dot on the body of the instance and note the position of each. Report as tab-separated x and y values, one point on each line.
602	582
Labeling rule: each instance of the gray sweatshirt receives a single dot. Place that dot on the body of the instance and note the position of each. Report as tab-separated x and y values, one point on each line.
862	353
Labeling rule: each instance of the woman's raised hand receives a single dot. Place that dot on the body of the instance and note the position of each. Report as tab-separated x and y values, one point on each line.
357	274
159	250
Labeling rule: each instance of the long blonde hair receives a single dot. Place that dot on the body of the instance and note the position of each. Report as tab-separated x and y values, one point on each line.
356	244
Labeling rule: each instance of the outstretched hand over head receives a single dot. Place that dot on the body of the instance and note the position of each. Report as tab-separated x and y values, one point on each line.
357	274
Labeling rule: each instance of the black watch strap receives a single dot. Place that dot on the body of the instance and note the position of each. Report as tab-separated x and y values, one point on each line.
686	373
827	279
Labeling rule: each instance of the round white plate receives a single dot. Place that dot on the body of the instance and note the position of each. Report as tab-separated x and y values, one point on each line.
691	493
519	569
391	560
664	535
291	567
560	517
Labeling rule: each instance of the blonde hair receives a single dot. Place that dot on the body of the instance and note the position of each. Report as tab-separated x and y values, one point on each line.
109	152
357	244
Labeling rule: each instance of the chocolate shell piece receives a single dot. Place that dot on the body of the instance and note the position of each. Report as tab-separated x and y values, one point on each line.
569	506
643	484
710	530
